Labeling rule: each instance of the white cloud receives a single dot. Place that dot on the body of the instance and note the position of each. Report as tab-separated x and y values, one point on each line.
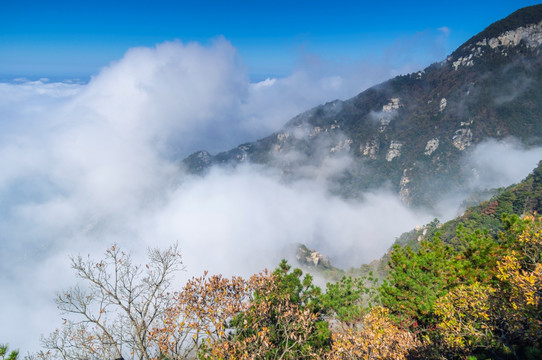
495	163
489	165
249	217
445	30
84	166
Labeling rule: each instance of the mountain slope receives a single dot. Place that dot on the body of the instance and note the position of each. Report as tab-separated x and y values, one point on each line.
521	199
411	133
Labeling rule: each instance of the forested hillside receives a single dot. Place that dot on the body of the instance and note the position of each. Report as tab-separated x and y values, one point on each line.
481	298
522	198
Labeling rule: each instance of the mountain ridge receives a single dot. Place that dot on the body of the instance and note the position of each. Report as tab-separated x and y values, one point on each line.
412	132
520	18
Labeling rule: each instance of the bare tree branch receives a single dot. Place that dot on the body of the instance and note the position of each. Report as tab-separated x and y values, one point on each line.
115	308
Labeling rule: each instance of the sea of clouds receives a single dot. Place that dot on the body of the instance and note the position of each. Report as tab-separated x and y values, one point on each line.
83	166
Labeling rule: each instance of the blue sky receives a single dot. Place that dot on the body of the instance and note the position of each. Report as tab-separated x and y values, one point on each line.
77	38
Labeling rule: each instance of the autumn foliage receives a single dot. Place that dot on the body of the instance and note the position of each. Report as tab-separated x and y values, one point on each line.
271	315
505	313
480	298
375	337
200	315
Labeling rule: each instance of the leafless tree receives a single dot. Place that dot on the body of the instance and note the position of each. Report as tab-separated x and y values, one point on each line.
112	314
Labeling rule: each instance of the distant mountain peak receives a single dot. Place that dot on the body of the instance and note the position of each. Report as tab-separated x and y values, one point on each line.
523	27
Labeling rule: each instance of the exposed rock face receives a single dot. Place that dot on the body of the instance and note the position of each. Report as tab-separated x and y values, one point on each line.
343	145
204	156
315	131
386	115
443	103
199	161
404	192
242	156
431	146
311	258
422	235
392	105
281	136
315	258
462	139
370	149
530	35
394	151
463	61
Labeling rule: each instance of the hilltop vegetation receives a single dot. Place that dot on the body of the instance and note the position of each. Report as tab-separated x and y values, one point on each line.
522	198
484	216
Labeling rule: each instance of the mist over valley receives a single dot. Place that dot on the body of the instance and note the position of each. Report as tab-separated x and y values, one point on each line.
174	143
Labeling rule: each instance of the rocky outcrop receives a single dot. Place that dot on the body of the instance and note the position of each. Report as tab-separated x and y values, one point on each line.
404	191
431	146
462	139
443	103
343	145
394	150
392	105
370	149
311	258
529	35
